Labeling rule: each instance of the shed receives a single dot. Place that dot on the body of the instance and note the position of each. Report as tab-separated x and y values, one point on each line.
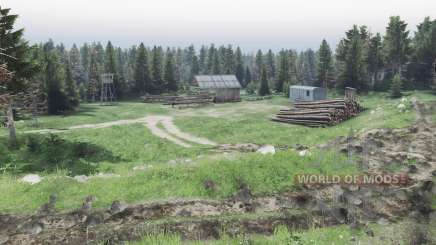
307	93
226	88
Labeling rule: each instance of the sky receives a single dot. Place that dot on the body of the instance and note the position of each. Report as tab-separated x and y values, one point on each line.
250	24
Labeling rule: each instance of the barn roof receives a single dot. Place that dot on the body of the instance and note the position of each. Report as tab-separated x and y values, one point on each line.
304	87
217	81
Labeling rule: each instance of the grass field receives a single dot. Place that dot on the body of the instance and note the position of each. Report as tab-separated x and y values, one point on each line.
173	171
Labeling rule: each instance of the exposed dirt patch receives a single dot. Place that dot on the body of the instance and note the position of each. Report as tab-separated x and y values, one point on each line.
169	131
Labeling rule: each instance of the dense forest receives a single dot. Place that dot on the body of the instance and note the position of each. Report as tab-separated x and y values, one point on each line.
364	60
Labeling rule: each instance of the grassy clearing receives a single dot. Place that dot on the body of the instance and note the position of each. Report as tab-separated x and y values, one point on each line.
402	233
263	173
134	145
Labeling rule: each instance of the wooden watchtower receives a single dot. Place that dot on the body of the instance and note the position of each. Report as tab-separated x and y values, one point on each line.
107	89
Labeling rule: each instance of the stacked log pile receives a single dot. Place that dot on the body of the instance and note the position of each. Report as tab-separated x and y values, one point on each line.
319	113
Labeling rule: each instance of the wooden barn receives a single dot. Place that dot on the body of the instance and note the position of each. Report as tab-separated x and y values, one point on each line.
307	93
226	88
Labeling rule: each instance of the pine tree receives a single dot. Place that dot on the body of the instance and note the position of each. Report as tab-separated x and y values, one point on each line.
57	100
141	72
264	88
352	60
169	74
258	65
229	63
375	59
94	77
216	66
247	77
195	69
270	65
75	63
324	64
16	53
239	70
396	86
85	55
424	54
71	89
396	44
283	72
156	70
202	60
110	66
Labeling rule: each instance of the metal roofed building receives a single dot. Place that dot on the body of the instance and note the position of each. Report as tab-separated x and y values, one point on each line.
307	93
226	88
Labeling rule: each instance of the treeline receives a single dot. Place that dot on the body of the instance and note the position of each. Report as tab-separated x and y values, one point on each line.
364	60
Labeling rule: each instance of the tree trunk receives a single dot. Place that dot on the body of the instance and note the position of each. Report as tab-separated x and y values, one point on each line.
11	126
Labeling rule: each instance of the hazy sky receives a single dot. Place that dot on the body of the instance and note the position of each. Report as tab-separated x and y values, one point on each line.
251	24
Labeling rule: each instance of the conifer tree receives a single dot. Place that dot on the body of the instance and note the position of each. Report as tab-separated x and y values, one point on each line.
195	69
324	64
169	74
258	65
70	88
375	59
156	70
283	72
264	88
239	69
396	86
202	60
94	77
110	66
396	44
270	65
424	54
141	72
247	77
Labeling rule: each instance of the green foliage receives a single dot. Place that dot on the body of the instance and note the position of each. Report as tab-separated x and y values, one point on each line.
16	51
324	67
396	87
141	72
284	72
50	153
239	73
169	76
157	85
396	44
351	57
247	77
264	88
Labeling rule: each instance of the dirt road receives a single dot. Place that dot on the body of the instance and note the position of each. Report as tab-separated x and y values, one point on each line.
168	130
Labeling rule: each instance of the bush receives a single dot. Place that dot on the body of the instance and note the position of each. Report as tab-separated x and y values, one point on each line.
396	87
49	153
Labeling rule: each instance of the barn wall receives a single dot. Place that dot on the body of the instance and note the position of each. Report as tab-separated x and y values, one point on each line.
227	94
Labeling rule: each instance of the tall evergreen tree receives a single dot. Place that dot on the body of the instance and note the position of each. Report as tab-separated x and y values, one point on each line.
283	71
141	72
202	60
94	77
352	60
324	64
424	54
375	59
195	69
239	70
16	53
396	44
247	77
264	88
270	65
71	88
169	73
57	100
258	65
156	70
110	66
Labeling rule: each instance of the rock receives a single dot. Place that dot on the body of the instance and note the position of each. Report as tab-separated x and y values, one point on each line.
372	112
32	227
383	221
304	153
31	179
142	167
107	175
267	149
401	107
117	207
412	169
81	178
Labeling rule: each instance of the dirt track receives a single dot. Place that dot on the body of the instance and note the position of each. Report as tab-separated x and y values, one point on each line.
169	130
